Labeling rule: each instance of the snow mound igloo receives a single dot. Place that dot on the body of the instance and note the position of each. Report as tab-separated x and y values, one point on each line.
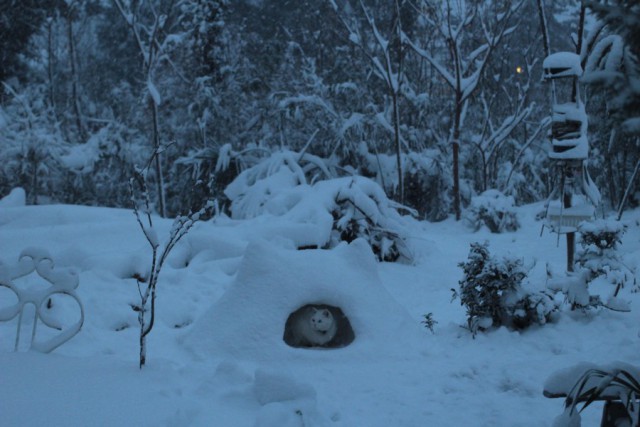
248	321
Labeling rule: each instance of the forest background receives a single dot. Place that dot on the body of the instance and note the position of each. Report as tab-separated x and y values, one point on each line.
436	100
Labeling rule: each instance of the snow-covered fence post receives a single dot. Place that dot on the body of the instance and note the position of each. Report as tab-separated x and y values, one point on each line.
147	285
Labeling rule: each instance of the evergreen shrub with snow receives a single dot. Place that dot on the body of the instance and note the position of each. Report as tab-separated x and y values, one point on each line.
362	210
493	293
597	263
598	254
493	210
301	190
427	179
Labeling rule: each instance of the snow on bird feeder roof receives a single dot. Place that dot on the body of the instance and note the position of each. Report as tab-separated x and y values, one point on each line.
569	132
562	64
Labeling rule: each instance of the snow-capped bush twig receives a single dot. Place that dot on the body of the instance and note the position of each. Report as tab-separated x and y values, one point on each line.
429	322
147	285
492	292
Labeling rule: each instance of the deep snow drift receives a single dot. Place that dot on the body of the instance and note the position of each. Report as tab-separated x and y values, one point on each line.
216	357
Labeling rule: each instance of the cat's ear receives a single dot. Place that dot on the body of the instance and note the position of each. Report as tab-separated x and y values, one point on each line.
326	313
315	310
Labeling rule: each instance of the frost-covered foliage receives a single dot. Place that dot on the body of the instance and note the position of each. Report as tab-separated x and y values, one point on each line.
31	145
493	293
598	264
526	181
38	156
98	170
251	191
427	179
493	210
333	210
613	63
362	209
598	256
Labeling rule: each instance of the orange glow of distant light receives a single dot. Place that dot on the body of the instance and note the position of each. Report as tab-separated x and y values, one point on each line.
519	69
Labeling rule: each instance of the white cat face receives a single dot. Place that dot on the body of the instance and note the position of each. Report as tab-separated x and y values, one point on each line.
321	320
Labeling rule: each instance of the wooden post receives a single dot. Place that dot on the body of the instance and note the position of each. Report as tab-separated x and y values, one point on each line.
571	237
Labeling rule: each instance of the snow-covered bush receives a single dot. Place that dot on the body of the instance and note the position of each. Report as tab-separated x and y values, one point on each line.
331	210
427	184
31	144
493	293
97	171
361	209
598	265
256	185
427	179
494	210
206	172
599	251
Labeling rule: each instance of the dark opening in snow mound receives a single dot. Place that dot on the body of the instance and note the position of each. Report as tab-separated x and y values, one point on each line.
318	325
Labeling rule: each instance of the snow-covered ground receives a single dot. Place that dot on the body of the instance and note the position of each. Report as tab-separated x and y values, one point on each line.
216	355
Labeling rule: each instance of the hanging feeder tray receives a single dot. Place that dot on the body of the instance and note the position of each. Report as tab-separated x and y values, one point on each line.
566	220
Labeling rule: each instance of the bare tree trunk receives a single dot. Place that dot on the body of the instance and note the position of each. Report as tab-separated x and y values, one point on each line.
145	328
50	56
143	340
396	131
628	190
455	53
397	26
34	179
456	179
609	164
158	162
74	75
455	146
583	11
544	28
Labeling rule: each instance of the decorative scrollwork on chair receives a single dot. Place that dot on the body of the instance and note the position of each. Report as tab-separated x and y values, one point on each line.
62	283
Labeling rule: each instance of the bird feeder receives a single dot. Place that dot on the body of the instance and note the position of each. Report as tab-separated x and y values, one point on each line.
575	195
